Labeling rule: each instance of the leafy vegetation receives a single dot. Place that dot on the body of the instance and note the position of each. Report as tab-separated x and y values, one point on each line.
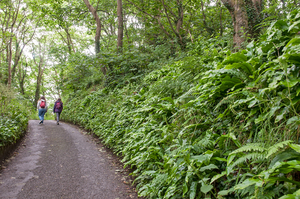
13	117
196	103
214	124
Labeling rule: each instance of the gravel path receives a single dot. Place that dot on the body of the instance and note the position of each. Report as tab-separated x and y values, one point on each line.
60	161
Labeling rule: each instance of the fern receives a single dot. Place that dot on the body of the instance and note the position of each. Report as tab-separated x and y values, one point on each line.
276	148
227	100
250	147
161	128
206	142
247	157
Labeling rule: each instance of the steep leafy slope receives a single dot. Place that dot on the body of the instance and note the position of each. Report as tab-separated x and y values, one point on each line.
215	124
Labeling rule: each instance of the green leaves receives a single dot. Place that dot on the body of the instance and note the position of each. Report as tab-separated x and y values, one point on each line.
209	167
295	119
214	124
14	118
296	147
216	177
291	196
193	190
249	182
235	58
206	188
290	82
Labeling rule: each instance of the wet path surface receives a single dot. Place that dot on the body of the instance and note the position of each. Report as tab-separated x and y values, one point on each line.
58	161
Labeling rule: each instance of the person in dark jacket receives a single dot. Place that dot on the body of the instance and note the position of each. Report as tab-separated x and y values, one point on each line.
58	107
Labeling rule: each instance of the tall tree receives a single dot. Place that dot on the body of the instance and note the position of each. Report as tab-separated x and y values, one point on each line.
22	37
98	29
168	16
120	25
11	12
39	60
22	73
17	31
246	15
98	23
177	21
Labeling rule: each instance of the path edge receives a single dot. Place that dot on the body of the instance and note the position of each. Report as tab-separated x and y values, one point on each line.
7	151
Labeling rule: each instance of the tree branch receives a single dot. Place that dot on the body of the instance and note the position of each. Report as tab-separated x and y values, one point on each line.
140	9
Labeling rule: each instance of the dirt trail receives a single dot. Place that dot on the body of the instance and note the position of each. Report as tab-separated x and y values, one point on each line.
59	161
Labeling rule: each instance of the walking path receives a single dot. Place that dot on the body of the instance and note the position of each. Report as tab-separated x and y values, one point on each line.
59	161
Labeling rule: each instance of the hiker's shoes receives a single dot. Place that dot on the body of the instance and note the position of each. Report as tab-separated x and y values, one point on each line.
41	122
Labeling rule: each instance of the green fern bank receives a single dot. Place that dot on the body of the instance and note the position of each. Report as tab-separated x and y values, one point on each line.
214	124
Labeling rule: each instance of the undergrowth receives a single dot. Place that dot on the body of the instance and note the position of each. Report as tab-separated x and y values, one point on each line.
214	124
13	117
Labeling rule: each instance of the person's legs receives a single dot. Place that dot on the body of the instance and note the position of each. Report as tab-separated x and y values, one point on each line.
42	114
57	117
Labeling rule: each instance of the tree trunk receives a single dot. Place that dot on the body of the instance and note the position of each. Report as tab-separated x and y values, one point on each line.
22	75
18	54
70	42
37	93
98	23
125	27
120	25
9	57
40	63
39	79
246	15
98	31
208	29
221	23
58	82
178	21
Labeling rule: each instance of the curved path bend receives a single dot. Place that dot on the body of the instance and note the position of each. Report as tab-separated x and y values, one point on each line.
60	161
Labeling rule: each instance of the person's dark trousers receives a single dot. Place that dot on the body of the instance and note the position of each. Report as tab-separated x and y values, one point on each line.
57	116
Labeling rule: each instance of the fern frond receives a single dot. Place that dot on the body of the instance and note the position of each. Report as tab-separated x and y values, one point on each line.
214	74
237	73
250	147
205	142
275	148
250	156
185	95
227	100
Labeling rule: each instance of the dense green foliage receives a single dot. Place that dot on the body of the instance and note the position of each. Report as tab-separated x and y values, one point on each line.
213	124
199	106
13	117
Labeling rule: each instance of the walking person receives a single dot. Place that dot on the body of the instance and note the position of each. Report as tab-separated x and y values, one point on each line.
58	107
42	108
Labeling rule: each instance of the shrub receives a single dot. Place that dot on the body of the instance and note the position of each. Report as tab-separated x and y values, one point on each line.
13	117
